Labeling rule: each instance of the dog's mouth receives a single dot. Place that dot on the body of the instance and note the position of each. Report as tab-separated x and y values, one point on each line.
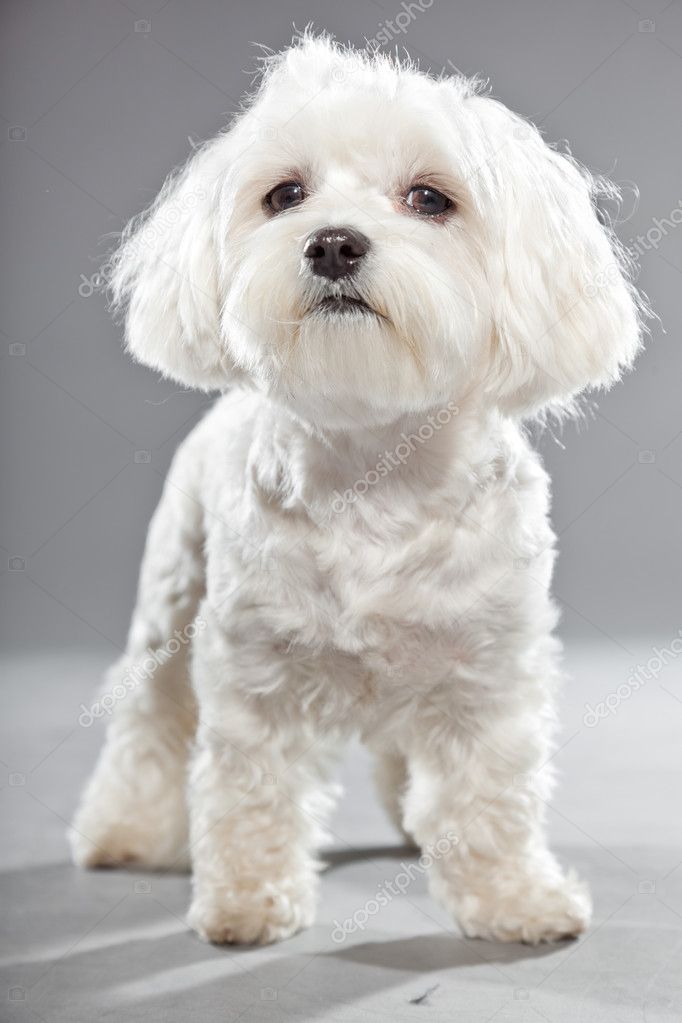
343	305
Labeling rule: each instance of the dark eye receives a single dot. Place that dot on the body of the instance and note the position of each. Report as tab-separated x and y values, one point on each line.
427	201
284	196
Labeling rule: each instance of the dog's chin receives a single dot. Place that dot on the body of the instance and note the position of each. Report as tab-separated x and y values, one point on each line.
343	360
346	366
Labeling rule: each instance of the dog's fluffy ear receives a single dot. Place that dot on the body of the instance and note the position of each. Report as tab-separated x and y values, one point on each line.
565	315
165	277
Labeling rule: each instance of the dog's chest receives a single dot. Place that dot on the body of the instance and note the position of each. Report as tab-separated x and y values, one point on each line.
387	600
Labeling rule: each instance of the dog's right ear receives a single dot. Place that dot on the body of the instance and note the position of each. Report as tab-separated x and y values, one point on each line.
165	277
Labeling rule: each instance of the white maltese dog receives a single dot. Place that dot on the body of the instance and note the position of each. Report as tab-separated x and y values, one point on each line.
386	274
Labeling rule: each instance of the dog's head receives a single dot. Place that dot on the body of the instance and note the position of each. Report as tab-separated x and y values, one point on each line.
366	241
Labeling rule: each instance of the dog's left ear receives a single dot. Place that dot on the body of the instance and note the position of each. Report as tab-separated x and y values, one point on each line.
565	315
165	276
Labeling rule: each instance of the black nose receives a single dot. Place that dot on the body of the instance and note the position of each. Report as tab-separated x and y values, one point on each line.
335	251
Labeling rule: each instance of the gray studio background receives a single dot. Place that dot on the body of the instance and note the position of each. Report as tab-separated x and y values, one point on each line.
101	99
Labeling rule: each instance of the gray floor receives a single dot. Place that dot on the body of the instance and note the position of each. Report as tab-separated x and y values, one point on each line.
113	945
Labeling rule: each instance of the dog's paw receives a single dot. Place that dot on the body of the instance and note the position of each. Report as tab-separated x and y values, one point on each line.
534	913
118	844
114	833
253	917
110	848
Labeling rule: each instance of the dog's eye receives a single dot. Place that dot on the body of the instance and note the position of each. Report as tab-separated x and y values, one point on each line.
427	201
284	196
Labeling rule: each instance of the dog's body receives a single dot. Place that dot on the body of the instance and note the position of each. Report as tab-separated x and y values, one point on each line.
358	532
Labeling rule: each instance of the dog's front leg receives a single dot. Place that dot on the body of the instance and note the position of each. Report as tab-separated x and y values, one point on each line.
475	804
258	797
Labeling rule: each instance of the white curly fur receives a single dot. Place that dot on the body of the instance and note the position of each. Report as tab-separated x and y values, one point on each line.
416	610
